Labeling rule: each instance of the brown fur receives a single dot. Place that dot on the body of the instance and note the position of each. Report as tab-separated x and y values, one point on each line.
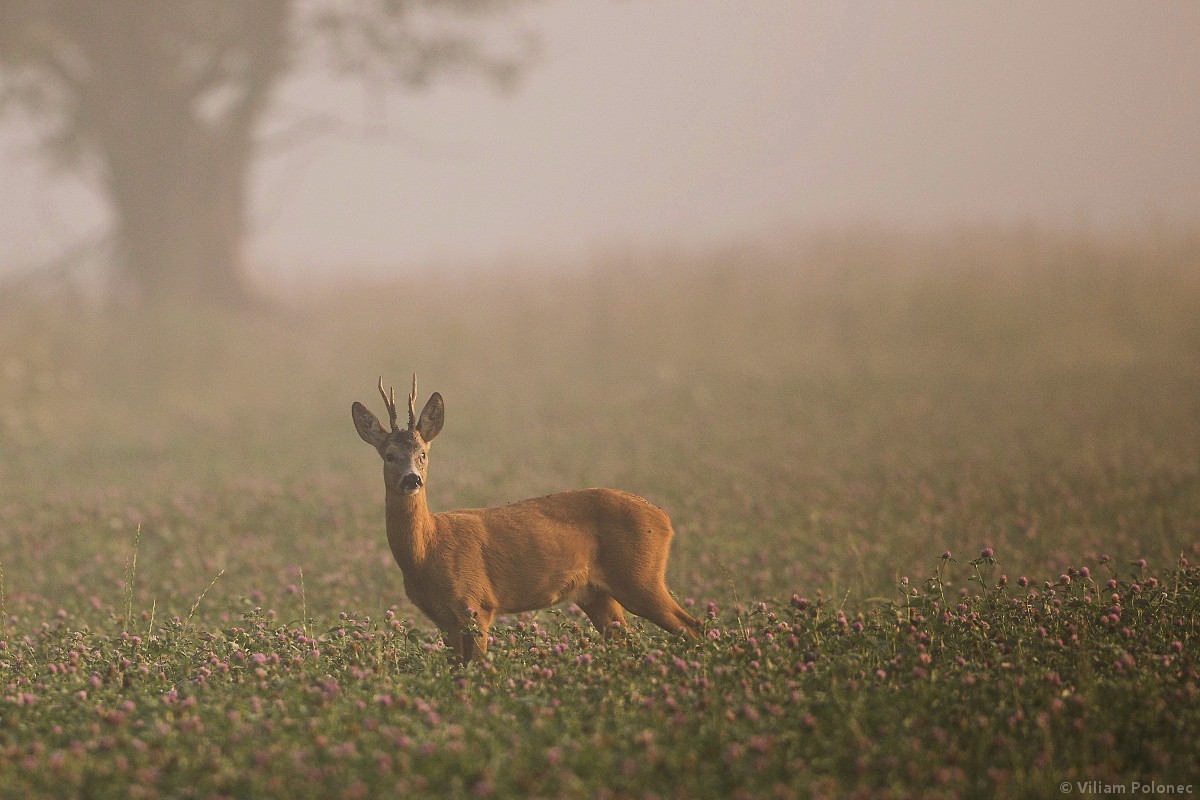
604	549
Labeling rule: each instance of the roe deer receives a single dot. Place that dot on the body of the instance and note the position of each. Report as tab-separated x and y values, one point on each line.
601	548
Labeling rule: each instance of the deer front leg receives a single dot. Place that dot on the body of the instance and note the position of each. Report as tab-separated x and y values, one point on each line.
452	625
467	633
460	644
483	621
474	636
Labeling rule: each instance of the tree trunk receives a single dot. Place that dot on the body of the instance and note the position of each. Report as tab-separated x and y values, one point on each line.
171	121
179	215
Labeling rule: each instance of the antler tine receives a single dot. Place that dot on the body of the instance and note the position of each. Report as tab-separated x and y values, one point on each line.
391	404
412	405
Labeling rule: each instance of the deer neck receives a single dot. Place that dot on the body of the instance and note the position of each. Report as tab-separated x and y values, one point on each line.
409	527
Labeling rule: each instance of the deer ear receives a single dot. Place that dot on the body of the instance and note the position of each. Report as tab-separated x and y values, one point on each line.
432	417
367	425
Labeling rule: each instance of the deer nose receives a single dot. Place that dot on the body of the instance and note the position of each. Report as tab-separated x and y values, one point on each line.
411	482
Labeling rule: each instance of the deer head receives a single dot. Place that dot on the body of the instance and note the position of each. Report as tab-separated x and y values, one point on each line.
405	452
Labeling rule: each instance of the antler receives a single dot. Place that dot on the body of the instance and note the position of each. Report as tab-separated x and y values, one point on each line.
412	405
391	404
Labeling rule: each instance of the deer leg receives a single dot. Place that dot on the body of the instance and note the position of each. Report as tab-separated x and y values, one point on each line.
484	621
602	609
459	637
659	607
691	626
457	644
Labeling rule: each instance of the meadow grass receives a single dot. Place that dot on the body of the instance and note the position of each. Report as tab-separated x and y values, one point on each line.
198	599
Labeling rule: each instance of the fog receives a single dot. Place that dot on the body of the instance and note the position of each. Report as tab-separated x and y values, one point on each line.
852	291
665	123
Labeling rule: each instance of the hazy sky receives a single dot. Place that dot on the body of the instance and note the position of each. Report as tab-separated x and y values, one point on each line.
656	122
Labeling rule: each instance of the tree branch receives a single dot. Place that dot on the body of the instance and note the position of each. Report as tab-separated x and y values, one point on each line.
411	43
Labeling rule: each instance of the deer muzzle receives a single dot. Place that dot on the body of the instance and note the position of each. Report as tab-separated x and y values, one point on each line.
411	482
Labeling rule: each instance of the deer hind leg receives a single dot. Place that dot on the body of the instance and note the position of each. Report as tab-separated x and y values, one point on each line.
657	605
601	608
